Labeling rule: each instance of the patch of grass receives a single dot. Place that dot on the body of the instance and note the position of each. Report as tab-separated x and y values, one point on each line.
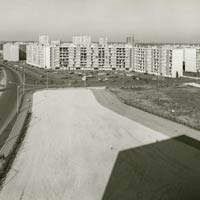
180	104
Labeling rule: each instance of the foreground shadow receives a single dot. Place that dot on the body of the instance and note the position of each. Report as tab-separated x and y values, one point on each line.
166	170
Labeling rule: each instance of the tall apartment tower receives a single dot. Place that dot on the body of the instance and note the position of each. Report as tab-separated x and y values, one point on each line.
130	41
103	41
11	52
44	39
84	40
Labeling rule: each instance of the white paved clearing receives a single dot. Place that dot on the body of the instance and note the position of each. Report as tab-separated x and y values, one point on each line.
70	148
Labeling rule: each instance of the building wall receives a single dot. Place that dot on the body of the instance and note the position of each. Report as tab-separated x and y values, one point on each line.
11	52
158	61
47	57
95	57
198	59
177	63
82	54
190	60
55	57
1	46
36	55
44	39
103	41
130	40
22	52
81	40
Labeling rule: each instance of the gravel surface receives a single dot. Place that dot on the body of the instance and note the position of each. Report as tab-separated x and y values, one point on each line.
71	147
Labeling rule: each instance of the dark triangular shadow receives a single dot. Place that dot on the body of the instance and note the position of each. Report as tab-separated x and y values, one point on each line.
166	170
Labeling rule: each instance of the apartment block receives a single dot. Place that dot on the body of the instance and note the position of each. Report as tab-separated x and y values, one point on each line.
95	57
11	52
1	48
44	39
14	51
84	55
130	40
82	40
192	59
38	55
103	41
158	61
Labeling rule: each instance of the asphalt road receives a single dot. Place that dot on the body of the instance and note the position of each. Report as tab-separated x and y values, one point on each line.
8	99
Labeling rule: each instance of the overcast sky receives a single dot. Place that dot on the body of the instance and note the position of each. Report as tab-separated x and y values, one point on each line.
149	20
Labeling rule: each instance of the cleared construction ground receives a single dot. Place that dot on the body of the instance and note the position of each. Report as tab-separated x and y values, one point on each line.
73	144
71	147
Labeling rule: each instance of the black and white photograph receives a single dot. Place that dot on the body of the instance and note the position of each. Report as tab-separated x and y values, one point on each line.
99	100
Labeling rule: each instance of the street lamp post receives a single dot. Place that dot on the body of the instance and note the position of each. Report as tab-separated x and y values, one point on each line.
17	93
123	79
47	78
23	80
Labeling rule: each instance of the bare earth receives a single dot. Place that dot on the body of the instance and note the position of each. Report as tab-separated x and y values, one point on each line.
71	147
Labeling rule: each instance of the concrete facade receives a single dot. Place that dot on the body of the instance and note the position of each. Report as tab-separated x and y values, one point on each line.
158	61
81	40
14	51
95	57
83	55
192	59
11	52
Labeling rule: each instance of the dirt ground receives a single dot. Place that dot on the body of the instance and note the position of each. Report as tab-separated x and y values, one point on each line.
71	147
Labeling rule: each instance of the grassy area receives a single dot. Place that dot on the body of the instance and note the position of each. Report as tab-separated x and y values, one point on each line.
192	74
73	78
177	103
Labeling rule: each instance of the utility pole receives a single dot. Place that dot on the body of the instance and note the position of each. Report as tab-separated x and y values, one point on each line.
158	83
47	83
17	109
123	80
23	84
85	78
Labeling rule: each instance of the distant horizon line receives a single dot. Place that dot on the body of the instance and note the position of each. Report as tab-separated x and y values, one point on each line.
136	42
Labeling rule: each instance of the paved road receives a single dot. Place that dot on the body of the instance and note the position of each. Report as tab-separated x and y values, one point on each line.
8	99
